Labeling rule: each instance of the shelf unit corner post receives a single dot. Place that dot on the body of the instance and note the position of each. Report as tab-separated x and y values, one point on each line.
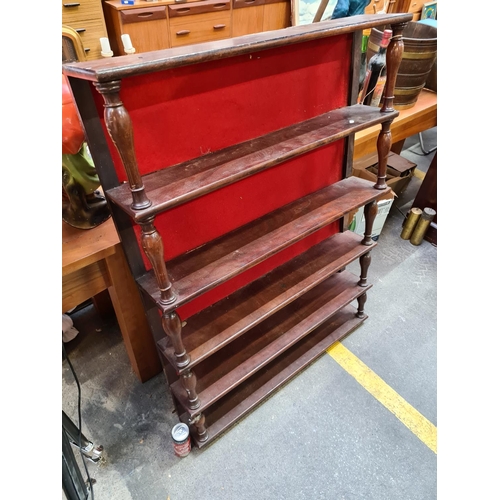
364	262
119	127
188	380
152	245
370	212
360	313
394	57
198	423
173	328
384	141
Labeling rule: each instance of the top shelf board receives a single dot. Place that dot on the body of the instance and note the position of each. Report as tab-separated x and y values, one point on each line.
172	186
117	68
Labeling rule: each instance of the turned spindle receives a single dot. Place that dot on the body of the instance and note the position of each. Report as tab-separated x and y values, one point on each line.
384	141
119	126
188	380
370	210
152	245
393	60
361	306
172	325
201	430
364	261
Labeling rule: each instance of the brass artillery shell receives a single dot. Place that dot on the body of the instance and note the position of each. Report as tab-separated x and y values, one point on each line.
422	226
410	223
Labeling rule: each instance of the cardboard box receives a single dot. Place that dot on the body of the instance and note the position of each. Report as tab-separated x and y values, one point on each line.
399	170
357	219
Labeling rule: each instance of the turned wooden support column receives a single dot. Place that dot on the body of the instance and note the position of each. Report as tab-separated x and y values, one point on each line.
393	60
172	325
201	430
361	306
370	210
152	245
188	380
364	261
119	126
384	142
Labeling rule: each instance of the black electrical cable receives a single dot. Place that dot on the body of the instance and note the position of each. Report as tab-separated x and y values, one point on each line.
79	421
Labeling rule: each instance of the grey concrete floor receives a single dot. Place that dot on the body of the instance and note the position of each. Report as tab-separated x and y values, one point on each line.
322	436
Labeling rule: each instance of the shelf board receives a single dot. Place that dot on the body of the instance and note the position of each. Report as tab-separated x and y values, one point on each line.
206	267
232	407
172	186
239	360
254	303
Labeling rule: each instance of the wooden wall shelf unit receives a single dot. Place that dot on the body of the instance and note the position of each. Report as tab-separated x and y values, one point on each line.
166	23
227	169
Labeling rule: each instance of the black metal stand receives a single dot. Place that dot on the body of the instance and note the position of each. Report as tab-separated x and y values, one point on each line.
73	485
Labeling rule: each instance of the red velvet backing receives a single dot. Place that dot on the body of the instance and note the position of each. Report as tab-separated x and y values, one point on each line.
184	112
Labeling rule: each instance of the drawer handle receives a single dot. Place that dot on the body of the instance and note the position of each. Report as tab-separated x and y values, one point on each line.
183	32
86	50
145	14
249	1
219	26
219	5
183	11
80	30
67	5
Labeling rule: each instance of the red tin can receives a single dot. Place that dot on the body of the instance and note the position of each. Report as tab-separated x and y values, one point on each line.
182	440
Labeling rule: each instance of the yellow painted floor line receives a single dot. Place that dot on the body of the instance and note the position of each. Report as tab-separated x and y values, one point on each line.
415	421
419	174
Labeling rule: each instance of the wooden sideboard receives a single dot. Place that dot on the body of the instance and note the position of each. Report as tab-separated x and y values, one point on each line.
86	17
166	23
415	7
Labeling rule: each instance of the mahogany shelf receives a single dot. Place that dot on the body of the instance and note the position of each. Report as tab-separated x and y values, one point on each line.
172	186
254	303
224	360
243	357
206	267
237	403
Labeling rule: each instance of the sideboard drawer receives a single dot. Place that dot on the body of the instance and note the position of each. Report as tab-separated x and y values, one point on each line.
200	28
81	9
90	32
203	7
143	15
87	18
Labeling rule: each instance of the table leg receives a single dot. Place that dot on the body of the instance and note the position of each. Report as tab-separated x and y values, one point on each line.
131	317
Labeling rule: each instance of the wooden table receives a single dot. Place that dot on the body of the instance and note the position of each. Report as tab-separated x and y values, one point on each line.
419	118
93	261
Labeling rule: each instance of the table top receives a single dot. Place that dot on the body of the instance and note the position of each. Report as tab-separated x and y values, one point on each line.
81	247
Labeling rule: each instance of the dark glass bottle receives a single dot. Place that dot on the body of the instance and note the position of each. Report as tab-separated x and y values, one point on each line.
374	70
362	68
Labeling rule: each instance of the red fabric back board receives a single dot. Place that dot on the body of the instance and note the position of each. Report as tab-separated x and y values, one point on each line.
182	113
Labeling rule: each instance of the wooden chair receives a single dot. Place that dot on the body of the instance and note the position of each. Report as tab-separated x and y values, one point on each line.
72	45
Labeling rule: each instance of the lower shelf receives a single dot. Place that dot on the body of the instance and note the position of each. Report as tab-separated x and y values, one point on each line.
228	410
232	365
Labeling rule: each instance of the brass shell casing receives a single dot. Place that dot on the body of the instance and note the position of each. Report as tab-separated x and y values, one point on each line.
410	223
422	226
